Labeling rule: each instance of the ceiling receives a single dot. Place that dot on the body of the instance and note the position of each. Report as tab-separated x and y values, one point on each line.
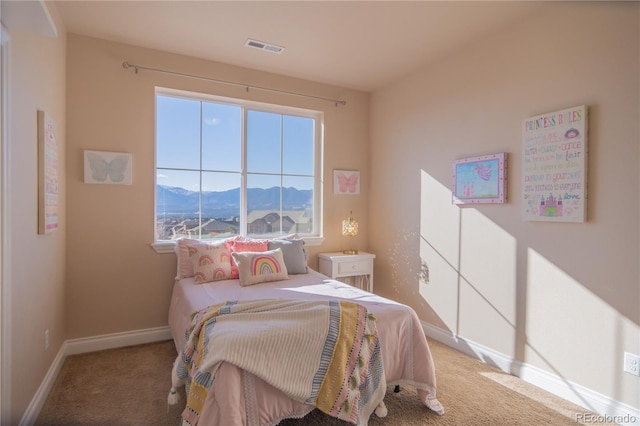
361	45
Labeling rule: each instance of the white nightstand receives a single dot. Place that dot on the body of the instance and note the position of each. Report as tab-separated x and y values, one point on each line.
340	265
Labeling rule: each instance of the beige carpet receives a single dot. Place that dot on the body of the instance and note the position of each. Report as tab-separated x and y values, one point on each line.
129	386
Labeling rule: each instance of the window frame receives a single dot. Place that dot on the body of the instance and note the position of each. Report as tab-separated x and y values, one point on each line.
316	238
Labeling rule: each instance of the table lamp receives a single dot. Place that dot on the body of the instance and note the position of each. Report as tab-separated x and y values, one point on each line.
350	229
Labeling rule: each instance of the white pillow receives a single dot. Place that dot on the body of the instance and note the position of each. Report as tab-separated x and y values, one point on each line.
185	269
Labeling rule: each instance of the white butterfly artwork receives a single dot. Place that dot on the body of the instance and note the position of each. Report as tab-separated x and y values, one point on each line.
107	167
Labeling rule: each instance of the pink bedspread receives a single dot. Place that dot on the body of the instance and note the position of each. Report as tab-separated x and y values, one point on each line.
240	399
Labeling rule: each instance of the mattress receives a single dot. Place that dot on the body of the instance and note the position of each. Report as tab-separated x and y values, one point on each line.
239	398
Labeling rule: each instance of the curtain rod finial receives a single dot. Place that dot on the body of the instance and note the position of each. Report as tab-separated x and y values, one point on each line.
125	65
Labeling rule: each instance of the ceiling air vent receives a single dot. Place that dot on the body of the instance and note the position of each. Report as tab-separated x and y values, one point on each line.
264	46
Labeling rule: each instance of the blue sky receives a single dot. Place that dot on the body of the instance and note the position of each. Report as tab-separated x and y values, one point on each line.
178	146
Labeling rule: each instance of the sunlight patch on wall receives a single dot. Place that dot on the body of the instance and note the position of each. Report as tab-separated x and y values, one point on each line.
441	293
472	267
439	219
439	236
561	314
488	282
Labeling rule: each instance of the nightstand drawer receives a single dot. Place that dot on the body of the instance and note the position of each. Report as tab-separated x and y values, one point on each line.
355	268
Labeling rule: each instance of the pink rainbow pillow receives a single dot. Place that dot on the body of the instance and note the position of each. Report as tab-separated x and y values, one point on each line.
185	267
210	262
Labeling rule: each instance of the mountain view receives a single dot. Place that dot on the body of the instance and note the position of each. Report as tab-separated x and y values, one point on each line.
175	201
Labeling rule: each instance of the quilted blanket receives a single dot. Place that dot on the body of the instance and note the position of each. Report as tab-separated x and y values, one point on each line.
321	353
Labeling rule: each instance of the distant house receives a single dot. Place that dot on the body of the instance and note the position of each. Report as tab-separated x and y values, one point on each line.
260	222
216	227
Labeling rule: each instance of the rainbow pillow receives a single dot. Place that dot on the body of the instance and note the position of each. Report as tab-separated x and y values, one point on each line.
260	267
211	262
185	268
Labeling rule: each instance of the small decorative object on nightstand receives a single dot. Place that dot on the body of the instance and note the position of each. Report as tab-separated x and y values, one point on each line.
350	229
340	265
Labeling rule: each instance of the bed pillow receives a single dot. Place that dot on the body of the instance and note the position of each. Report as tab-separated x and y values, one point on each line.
185	267
210	262
246	244
260	267
295	257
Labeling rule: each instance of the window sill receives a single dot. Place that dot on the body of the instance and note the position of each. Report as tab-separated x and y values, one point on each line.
163	247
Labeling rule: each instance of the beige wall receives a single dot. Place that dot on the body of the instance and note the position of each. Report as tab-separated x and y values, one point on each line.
115	281
36	262
561	297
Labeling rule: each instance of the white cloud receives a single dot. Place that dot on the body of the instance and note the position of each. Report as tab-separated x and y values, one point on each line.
213	121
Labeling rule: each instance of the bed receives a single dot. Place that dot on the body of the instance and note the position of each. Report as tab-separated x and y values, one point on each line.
238	397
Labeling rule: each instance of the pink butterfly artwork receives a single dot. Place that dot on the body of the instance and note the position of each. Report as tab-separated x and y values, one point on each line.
346	182
483	171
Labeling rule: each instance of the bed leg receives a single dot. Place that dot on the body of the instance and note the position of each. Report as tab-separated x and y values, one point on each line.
396	389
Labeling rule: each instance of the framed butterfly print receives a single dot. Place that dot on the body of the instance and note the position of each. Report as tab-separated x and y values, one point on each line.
346	182
107	167
480	180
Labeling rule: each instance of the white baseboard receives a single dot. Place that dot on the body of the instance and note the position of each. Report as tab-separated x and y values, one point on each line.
37	402
475	350
85	345
116	340
610	409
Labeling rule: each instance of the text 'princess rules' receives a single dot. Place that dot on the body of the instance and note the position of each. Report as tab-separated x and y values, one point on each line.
551	120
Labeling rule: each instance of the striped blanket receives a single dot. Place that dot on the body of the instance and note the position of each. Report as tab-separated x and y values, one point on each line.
321	353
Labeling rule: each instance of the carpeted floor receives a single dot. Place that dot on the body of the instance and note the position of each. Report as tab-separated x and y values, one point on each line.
129	386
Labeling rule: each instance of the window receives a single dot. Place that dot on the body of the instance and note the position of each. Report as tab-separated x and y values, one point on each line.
229	167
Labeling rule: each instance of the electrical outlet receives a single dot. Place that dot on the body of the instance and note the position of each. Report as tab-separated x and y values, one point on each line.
46	339
632	364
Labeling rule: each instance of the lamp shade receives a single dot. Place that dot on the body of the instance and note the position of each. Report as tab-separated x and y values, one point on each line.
349	227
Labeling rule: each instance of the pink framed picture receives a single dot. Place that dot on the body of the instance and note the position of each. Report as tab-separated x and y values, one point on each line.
346	182
480	180
47	174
